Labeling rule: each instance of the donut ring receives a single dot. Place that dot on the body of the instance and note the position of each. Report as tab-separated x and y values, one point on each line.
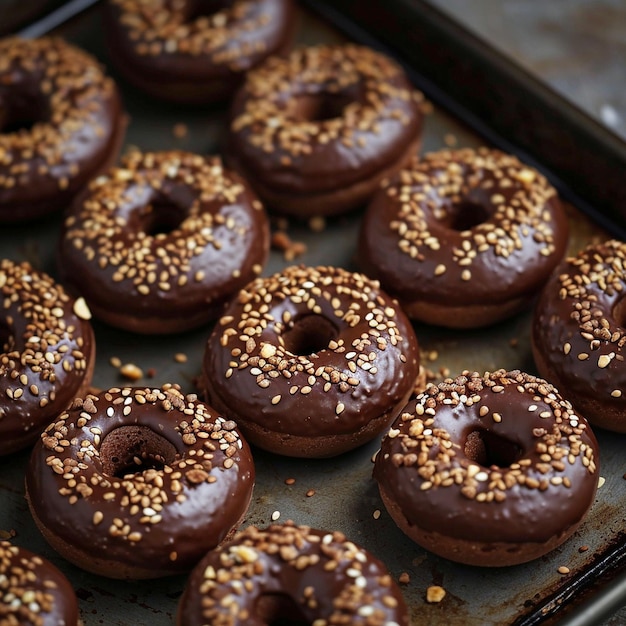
464	238
48	353
188	53
34	591
316	133
295	573
579	332
311	362
159	244
139	483
488	470
77	125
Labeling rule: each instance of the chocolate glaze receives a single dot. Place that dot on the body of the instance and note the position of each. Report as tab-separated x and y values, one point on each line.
78	125
499	458
195	52
183	498
578	333
42	595
160	243
48	353
323	119
291	572
360	359
463	228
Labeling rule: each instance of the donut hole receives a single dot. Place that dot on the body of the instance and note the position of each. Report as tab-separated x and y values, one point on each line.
134	449
319	107
205	8
21	111
161	218
466	215
488	449
619	312
278	609
308	334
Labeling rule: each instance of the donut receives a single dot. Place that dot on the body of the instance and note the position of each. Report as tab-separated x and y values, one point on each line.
311	361
463	238
48	353
292	573
159	244
61	123
194	51
316	132
139	483
34	592
490	470
579	330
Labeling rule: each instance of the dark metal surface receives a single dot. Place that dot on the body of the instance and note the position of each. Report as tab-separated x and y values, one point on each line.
337	493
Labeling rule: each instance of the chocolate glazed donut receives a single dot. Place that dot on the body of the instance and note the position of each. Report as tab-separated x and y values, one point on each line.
311	362
488	470
315	133
579	333
139	483
33	592
293	573
61	123
195	51
463	238
48	353
159	244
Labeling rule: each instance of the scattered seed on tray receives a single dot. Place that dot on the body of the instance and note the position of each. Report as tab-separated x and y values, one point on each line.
450	140
116	362
583	548
131	371
275	515
179	130
404	578
290	481
151	373
376	514
601	481
180	357
435	594
317	224
310	492
291	249
563	569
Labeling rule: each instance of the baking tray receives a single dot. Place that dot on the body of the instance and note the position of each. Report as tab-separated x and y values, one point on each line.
337	493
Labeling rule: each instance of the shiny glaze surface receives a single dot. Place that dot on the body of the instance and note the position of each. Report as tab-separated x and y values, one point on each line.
193	50
171	502
61	123
579	332
356	357
291	572
163	241
48	352
33	592
535	478
322	119
463	227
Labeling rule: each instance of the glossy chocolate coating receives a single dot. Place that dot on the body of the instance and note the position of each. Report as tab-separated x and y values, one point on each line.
77	125
195	51
291	572
323	119
171	482
578	333
160	243
463	228
311	352
499	459
48	353
41	594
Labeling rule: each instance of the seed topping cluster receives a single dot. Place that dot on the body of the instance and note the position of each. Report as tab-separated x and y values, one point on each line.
271	125
353	300
109	230
159	27
70	90
74	445
51	346
25	592
594	281
361	596
429	193
440	462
